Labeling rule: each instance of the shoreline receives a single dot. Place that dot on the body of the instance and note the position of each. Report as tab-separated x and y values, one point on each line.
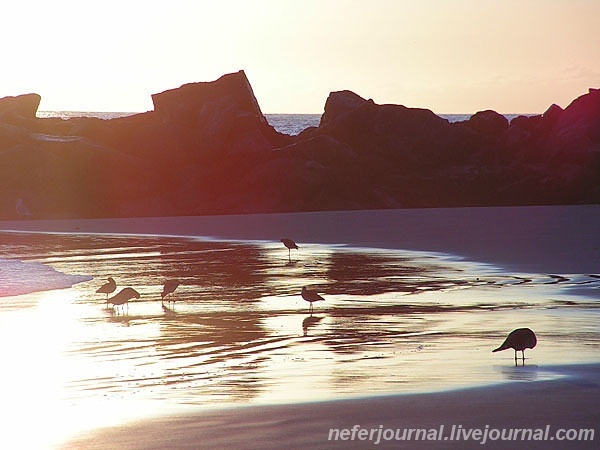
540	239
568	402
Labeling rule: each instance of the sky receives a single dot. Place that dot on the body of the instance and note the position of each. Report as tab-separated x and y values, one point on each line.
450	56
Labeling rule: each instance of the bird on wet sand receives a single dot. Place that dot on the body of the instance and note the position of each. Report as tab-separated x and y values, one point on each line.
168	288
123	297
311	296
107	288
519	340
290	244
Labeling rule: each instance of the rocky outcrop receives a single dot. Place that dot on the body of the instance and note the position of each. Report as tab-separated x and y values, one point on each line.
207	148
25	105
488	122
340	103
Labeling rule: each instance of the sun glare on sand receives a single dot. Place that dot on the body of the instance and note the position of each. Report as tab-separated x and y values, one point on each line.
38	367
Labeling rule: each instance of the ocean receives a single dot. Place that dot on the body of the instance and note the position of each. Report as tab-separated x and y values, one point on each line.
291	124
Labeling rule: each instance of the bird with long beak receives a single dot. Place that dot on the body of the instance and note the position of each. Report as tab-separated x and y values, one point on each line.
519	340
311	296
289	244
123	297
168	288
107	288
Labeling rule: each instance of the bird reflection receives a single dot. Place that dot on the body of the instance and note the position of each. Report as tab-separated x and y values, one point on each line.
116	318
310	321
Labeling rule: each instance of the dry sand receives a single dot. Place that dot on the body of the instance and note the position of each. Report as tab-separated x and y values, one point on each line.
557	239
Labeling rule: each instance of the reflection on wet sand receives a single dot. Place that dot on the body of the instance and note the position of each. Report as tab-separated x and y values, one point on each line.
308	322
393	321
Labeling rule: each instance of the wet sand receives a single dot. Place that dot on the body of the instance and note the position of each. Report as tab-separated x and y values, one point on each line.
539	239
569	403
536	255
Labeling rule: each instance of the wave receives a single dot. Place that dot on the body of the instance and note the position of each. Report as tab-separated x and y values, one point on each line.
19	277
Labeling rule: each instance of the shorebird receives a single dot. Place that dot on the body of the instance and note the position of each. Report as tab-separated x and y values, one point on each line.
311	296
519	340
168	288
107	288
290	244
123	297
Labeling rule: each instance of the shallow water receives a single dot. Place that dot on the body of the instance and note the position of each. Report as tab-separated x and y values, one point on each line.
239	332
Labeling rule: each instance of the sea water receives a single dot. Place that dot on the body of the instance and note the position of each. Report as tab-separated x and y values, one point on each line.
291	124
19	277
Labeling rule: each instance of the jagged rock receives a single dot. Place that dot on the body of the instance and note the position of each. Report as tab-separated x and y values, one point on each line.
206	148
552	114
183	105
224	111
340	103
25	105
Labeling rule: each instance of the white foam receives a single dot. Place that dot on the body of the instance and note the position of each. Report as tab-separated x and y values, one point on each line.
24	277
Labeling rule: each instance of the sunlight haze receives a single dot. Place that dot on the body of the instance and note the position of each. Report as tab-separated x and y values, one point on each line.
456	56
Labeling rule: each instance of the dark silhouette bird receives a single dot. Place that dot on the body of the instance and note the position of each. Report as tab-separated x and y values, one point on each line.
519	340
311	296
123	297
168	288
107	288
290	244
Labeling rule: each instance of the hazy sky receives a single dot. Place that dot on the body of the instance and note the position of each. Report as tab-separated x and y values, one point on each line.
445	55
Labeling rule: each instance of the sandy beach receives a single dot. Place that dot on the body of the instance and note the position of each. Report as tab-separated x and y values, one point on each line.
538	238
415	301
569	403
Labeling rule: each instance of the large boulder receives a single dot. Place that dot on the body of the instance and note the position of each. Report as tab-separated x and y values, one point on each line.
224	111
207	148
340	103
190	102
488	122
25	105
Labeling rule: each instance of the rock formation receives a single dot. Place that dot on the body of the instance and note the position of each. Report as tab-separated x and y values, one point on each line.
207	148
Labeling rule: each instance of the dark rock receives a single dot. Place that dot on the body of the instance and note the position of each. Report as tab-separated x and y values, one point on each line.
185	105
224	111
340	103
25	105
207	148
488	122
552	114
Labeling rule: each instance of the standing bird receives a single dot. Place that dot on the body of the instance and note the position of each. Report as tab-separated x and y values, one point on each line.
290	244
123	297
311	296
168	288
107	288
519	340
